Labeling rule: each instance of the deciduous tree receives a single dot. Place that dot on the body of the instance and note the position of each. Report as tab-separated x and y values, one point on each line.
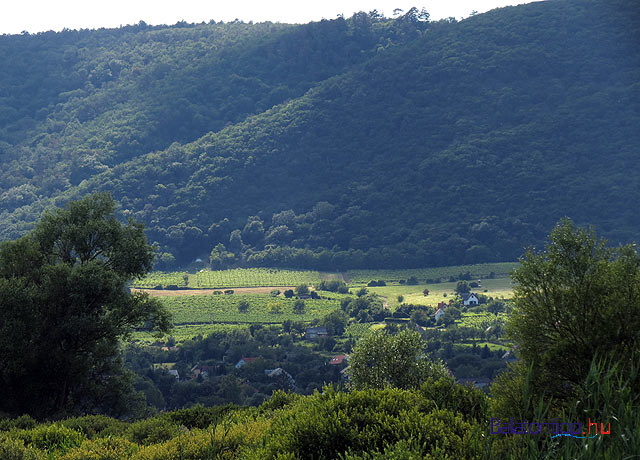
574	300
65	307
380	360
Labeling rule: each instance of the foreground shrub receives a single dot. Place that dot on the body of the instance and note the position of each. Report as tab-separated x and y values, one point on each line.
200	416
462	399
332	424
96	426
102	449
50	437
24	422
153	431
278	400
14	449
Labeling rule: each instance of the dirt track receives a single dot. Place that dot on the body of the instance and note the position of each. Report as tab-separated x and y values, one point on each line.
245	290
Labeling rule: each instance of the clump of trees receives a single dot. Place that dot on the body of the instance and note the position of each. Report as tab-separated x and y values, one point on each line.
332	286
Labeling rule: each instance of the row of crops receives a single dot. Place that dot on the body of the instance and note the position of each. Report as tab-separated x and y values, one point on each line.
162	280
253	277
480	320
186	332
257	277
261	309
237	277
501	269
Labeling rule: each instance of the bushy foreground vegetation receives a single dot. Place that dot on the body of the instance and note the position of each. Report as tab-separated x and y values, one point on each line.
439	420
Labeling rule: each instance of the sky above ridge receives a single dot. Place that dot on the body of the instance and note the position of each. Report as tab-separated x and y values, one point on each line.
34	16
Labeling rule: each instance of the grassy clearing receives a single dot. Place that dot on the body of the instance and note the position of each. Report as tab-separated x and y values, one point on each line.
440	292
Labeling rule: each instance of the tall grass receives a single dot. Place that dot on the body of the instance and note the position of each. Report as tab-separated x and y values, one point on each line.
610	394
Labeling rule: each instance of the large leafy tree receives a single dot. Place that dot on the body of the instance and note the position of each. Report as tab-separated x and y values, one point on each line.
575	300
382	360
64	308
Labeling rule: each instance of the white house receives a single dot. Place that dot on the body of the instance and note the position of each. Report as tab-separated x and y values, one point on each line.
470	299
439	313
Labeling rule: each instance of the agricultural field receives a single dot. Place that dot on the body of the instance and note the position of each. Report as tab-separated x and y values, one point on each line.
440	292
480	320
253	277
478	271
184	332
203	314
262	309
155	279
357	330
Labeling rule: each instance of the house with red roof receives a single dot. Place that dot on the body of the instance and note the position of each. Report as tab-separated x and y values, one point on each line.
338	359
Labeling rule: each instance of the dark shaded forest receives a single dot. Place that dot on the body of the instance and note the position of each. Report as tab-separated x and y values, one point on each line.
356	142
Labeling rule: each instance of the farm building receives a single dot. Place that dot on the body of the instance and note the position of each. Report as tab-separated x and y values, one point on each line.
313	333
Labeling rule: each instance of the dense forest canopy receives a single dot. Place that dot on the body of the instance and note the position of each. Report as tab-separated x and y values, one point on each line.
357	142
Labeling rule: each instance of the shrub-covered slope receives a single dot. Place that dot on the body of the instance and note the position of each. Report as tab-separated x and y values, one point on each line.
458	144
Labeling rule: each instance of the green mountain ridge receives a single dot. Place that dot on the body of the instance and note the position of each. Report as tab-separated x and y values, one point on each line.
424	144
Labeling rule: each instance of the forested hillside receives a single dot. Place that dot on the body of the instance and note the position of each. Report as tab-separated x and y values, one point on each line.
359	142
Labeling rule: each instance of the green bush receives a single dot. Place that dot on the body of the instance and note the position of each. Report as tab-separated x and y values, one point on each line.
24	422
243	306
153	431
50	437
298	307
95	426
103	449
333	286
278	400
462	399
14	449
200	416
331	424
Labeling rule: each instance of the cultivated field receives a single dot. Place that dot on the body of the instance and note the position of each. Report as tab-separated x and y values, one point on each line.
477	271
162	280
252	277
262	309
